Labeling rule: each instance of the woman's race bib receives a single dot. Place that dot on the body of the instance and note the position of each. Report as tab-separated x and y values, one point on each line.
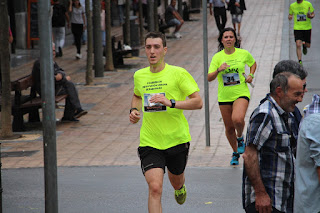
231	79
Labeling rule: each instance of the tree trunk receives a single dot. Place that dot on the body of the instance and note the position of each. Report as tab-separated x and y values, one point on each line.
89	76
127	24
156	18
180	8
5	72
151	26
141	23
97	39
108	49
165	4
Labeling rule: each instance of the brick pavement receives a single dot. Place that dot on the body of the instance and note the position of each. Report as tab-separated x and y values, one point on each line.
105	137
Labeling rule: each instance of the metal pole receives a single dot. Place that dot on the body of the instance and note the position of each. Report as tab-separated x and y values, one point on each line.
48	107
127	36
6	131
97	39
205	71
1	190
151	26
180	8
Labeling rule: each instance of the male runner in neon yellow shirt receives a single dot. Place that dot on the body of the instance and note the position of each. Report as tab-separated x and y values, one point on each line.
160	92
303	12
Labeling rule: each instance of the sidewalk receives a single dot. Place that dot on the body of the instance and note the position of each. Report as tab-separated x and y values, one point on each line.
105	137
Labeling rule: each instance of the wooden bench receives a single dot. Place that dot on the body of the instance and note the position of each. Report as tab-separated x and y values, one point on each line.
118	52
23	104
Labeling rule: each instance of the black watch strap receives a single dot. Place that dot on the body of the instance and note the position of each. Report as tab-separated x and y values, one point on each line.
173	103
133	109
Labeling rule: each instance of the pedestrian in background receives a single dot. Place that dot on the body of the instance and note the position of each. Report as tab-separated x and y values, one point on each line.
78	24
302	11
307	169
103	23
268	175
160	92
219	12
236	8
228	66
10	36
121	7
172	17
84	35
59	18
63	85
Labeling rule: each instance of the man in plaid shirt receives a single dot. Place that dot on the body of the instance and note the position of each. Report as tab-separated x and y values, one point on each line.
268	175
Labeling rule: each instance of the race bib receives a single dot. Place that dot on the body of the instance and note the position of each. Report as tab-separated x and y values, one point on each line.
153	107
301	17
231	79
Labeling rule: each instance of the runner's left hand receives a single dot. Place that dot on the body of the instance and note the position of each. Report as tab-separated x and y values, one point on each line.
160	98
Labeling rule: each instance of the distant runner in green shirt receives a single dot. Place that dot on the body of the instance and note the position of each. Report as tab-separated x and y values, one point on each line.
160	92
302	11
228	67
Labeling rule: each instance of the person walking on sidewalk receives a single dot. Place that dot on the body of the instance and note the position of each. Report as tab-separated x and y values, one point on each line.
172	17
236	8
302	12
160	92
268	174
63	85
78	23
219	12
228	66
59	17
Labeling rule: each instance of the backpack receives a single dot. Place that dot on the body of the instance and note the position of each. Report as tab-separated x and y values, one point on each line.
58	16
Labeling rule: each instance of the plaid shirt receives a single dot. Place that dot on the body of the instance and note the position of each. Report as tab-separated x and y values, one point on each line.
314	107
270	131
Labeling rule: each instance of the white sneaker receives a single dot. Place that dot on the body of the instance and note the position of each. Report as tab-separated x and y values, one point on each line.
78	56
177	35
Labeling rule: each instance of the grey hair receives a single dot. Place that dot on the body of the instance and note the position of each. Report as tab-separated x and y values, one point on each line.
281	80
290	66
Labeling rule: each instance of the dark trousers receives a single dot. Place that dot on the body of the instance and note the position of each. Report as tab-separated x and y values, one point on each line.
220	16
77	31
72	101
252	209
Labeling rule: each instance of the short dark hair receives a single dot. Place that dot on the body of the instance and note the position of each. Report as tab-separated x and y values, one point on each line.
290	66
156	35
281	80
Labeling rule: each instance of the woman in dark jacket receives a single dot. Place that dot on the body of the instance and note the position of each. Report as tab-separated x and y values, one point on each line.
236	8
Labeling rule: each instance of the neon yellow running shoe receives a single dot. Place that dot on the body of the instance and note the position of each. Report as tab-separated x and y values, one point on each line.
180	195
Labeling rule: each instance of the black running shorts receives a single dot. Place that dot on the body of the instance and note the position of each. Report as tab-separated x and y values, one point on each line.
231	102
303	35
174	158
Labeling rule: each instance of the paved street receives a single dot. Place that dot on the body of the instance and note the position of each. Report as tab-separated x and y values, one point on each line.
98	168
121	189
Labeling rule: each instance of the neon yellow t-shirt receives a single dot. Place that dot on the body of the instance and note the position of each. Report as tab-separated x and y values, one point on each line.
231	81
299	12
164	127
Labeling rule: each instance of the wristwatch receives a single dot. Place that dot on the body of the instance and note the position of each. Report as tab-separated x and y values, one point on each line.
173	103
133	109
251	75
